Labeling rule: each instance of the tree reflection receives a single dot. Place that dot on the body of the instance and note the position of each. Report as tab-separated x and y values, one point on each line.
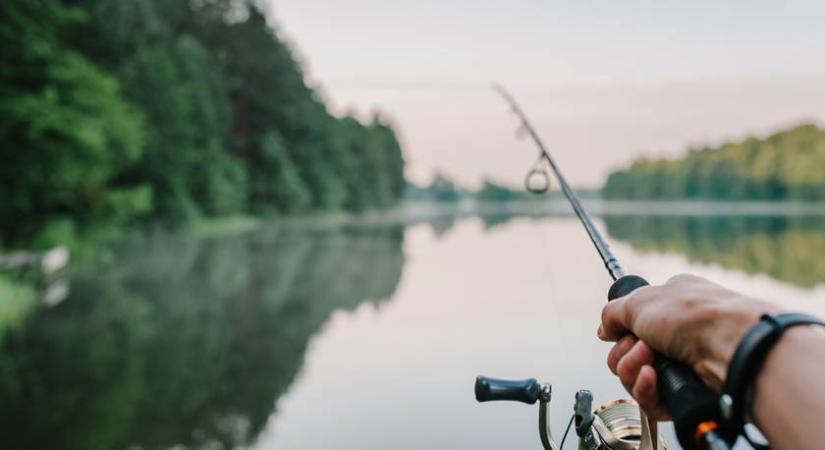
786	248
169	340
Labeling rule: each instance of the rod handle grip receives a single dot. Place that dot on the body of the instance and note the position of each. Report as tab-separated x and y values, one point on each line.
625	285
690	401
492	389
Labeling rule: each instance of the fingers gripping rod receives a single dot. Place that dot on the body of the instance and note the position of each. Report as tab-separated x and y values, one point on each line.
694	406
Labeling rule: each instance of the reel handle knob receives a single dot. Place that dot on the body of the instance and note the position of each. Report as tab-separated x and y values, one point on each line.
494	389
690	401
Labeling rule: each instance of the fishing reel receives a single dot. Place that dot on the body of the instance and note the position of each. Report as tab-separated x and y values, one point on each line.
615	425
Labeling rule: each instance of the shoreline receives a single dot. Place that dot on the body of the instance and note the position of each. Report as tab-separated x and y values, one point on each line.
598	207
412	212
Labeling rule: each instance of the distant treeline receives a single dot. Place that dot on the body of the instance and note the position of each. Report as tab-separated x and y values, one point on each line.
443	189
153	109
789	165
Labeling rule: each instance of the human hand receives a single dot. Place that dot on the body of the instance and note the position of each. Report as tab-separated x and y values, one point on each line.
688	319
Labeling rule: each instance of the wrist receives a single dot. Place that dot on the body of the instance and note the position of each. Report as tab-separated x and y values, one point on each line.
787	401
796	346
773	335
733	320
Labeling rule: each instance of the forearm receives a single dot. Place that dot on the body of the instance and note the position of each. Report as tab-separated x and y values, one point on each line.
789	397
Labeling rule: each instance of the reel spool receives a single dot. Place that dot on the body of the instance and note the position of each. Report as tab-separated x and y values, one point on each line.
620	427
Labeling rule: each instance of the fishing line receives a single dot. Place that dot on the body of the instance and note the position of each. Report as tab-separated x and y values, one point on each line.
566	431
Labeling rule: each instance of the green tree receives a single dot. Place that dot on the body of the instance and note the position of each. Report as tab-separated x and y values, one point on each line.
784	166
67	135
277	185
166	110
443	189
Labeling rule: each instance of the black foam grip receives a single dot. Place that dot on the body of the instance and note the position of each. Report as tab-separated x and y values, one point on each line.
625	285
690	401
492	389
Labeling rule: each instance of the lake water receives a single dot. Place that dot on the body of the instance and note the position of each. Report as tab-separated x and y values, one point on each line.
369	336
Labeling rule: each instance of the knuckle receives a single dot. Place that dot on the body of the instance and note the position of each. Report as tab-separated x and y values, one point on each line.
645	353
640	293
638	298
692	303
681	278
701	310
624	371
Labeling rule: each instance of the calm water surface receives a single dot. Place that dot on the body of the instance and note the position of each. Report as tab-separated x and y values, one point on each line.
357	337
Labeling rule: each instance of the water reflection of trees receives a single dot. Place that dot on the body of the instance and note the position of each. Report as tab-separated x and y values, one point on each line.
786	248
181	341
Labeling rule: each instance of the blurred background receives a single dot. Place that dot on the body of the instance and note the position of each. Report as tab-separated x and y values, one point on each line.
288	224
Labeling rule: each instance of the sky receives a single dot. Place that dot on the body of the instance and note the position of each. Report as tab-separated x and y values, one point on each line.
605	82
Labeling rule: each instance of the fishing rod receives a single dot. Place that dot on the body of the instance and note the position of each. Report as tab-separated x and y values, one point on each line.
694	407
610	261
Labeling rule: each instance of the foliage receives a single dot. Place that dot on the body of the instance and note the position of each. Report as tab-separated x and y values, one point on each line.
66	133
441	189
120	111
786	248
494	192
171	341
19	298
784	166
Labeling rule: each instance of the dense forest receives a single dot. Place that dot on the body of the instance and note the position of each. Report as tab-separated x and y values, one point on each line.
789	165
153	110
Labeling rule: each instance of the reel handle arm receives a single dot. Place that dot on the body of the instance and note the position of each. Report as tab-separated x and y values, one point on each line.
494	389
693	405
